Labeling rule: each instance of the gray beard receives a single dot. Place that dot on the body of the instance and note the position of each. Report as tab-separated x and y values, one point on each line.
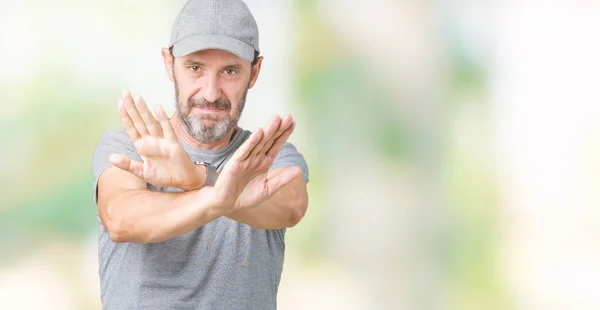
203	132
198	128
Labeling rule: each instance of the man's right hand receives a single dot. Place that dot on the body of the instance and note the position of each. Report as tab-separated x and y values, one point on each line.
165	163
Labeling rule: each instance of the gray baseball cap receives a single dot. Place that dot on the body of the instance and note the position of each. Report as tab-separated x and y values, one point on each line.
215	24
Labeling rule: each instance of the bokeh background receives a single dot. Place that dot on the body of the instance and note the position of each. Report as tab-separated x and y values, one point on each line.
453	146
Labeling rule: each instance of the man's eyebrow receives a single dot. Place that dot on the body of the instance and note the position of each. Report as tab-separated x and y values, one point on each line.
190	62
235	66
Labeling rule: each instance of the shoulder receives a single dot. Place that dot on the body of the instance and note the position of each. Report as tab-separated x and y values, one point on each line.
118	135
290	156
115	141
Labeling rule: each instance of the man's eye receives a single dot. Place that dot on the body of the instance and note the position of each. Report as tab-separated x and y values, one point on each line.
230	71
195	68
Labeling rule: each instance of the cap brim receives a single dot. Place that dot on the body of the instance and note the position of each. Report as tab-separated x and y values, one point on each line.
196	43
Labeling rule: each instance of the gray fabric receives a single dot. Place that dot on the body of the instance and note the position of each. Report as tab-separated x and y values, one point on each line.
222	265
215	24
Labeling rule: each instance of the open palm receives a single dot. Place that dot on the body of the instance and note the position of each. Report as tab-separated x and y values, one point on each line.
246	175
165	163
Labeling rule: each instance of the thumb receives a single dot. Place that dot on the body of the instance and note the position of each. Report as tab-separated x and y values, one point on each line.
125	163
285	176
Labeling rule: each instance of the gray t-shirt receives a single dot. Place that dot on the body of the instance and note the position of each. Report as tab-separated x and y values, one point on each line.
224	264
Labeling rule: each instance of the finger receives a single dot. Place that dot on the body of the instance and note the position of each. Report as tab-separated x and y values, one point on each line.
128	123
274	150
125	163
165	124
244	151
285	124
270	130
134	114
284	177
151	124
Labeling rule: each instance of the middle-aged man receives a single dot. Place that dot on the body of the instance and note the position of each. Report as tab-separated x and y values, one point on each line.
193	209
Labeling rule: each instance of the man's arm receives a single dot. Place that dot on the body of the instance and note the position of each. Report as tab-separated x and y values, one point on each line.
284	209
132	213
165	164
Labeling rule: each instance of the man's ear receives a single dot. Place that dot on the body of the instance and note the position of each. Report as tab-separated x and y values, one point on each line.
168	60
255	72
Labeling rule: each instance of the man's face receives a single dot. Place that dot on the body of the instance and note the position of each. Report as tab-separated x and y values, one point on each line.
211	88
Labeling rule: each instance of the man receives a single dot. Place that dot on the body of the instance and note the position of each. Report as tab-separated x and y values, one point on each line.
193	210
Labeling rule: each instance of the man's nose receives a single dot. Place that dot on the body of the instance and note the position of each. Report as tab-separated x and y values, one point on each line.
211	90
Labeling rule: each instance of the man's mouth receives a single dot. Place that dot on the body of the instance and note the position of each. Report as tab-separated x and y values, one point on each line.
209	109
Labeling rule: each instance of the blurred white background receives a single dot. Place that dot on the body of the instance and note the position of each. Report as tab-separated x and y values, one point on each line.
453	146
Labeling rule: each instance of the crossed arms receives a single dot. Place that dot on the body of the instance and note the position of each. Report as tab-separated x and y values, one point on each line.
245	190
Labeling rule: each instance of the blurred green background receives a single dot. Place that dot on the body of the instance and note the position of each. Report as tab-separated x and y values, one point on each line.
452	145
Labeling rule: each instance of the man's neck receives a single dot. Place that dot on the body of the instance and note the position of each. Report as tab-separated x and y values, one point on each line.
184	136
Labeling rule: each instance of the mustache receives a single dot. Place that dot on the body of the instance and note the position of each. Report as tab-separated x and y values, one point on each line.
223	104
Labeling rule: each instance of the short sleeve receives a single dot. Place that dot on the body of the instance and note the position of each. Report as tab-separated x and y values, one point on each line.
289	156
112	142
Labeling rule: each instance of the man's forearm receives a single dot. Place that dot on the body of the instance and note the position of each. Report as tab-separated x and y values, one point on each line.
284	209
146	216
